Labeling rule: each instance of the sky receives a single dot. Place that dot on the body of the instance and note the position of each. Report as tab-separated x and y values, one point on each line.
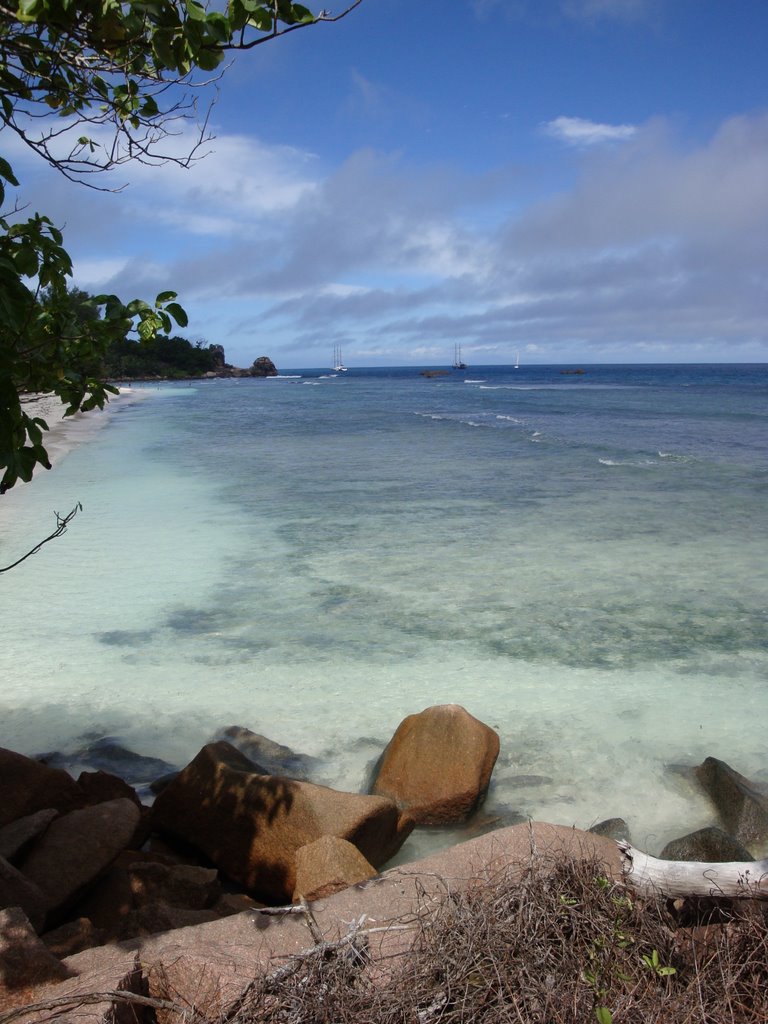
574	180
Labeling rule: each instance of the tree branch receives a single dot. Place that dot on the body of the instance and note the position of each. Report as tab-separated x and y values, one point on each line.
62	522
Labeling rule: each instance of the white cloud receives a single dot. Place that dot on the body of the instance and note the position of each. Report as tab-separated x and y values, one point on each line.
657	242
577	131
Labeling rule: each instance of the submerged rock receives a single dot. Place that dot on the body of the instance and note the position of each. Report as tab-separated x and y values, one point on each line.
107	754
707	844
613	828
274	758
742	806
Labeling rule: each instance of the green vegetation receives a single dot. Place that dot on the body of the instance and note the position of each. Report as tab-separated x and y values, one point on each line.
89	85
168	357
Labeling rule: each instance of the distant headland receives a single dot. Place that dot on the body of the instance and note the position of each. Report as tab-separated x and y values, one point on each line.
176	358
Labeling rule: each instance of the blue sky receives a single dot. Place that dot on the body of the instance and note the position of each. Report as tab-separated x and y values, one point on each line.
579	180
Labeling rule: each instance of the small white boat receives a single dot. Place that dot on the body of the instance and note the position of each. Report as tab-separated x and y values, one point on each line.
338	362
517	360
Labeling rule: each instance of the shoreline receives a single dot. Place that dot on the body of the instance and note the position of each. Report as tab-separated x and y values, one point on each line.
66	433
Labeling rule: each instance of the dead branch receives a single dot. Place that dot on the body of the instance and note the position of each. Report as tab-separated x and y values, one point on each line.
673	878
62	522
88	999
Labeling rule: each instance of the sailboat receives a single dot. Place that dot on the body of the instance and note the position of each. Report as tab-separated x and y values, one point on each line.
338	362
517	360
457	363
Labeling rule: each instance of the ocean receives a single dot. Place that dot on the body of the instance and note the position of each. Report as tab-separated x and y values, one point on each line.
577	559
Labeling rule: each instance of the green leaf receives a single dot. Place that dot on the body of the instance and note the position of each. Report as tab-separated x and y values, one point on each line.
162	43
219	27
195	11
604	1015
28	10
26	260
303	14
164	297
6	172
146	330
260	19
114	310
178	313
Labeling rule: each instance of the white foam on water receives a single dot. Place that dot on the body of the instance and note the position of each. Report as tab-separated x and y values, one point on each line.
628	462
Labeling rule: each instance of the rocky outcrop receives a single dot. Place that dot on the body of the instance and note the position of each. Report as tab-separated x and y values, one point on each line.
209	967
251	825
706	844
438	765
263	367
741	805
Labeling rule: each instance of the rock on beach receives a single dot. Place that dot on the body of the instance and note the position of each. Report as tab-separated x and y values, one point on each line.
438	765
251	825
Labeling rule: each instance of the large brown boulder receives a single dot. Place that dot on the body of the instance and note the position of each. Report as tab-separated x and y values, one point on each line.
77	848
438	765
27	786
251	825
741	805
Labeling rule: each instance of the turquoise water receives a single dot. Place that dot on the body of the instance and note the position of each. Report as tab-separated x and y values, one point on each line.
578	560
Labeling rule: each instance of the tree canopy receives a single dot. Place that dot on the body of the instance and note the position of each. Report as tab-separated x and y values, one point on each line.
89	85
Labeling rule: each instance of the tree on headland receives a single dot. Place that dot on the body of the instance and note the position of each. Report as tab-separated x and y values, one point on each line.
90	85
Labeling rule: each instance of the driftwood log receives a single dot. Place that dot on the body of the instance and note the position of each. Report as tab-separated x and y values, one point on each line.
678	879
